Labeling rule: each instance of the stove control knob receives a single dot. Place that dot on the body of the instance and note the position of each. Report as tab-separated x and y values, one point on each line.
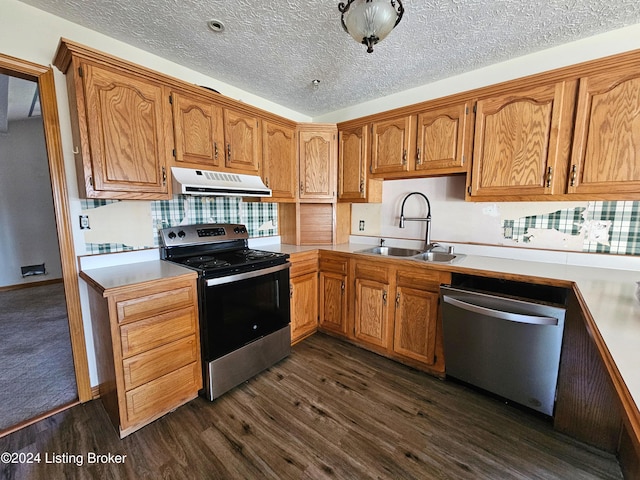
181	234
172	235
243	230
236	230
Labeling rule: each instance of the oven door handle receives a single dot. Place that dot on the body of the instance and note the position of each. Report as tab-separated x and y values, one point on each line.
245	275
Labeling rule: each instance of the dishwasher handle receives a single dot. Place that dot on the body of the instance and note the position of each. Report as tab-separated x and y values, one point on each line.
490	312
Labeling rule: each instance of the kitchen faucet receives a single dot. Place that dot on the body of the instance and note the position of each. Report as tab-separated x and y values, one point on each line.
428	246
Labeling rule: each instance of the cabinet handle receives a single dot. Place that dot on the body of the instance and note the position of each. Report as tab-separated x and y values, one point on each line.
215	150
290	290
342	288
398	299
228	152
384	297
549	176
266	181
301	188
164	176
361	186
404	157
574	174
418	157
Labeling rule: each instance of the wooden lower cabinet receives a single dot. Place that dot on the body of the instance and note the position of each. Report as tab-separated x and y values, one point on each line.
396	312
417	329
372	304
303	292
333	293
147	344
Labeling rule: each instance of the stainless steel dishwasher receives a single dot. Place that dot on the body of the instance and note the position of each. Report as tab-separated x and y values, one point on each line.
504	337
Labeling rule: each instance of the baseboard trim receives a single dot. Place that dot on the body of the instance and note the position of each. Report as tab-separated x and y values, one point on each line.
19	286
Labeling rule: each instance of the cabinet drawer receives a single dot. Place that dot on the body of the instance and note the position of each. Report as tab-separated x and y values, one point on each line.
159	330
334	264
142	307
160	361
163	394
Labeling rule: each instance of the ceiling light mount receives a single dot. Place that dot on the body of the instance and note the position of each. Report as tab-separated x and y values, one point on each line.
370	21
215	25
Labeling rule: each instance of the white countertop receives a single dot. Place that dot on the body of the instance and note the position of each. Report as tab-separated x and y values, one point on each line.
609	295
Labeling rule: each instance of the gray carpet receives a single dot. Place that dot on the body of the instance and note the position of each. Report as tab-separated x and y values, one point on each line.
36	365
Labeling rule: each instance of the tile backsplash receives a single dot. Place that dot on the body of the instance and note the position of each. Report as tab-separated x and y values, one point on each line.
260	218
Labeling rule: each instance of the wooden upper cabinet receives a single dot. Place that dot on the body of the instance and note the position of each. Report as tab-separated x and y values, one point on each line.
120	127
198	130
354	159
317	162
243	146
606	148
444	139
279	159
518	142
393	145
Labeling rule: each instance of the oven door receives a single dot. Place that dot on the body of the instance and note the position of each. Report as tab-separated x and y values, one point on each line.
241	308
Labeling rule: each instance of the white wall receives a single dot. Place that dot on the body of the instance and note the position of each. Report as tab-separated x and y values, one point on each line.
27	223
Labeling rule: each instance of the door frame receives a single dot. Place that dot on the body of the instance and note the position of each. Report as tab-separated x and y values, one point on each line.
51	124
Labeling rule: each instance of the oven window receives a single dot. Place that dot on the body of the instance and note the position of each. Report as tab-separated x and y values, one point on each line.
240	312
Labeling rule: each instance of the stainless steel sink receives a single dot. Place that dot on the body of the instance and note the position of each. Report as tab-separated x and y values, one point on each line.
391	251
439	257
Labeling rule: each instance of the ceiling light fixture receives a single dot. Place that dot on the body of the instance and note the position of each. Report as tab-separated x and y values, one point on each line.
369	21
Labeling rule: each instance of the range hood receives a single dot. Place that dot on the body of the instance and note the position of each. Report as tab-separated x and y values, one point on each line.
189	181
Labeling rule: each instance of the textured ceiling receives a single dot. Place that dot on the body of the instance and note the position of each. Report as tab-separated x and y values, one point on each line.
275	48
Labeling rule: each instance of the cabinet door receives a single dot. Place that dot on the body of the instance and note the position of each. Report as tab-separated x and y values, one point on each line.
606	148
279	150
126	132
393	145
304	305
242	138
352	163
333	302
198	130
415	324
517	149
317	164
444	139
372	303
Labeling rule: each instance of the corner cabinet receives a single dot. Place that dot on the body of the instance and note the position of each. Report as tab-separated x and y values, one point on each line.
318	149
147	348
118	126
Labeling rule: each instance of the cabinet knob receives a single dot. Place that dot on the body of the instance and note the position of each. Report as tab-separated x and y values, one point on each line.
384	297
164	176
418	156
404	157
228	152
361	186
215	150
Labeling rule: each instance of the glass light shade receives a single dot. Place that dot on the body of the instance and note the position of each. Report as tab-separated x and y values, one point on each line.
369	21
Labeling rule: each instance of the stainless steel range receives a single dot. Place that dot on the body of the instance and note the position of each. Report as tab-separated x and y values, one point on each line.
243	300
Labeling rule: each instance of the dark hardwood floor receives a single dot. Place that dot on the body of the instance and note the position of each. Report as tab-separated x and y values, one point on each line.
330	410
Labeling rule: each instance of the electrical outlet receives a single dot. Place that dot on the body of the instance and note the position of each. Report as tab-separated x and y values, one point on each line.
508	232
84	222
361	226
